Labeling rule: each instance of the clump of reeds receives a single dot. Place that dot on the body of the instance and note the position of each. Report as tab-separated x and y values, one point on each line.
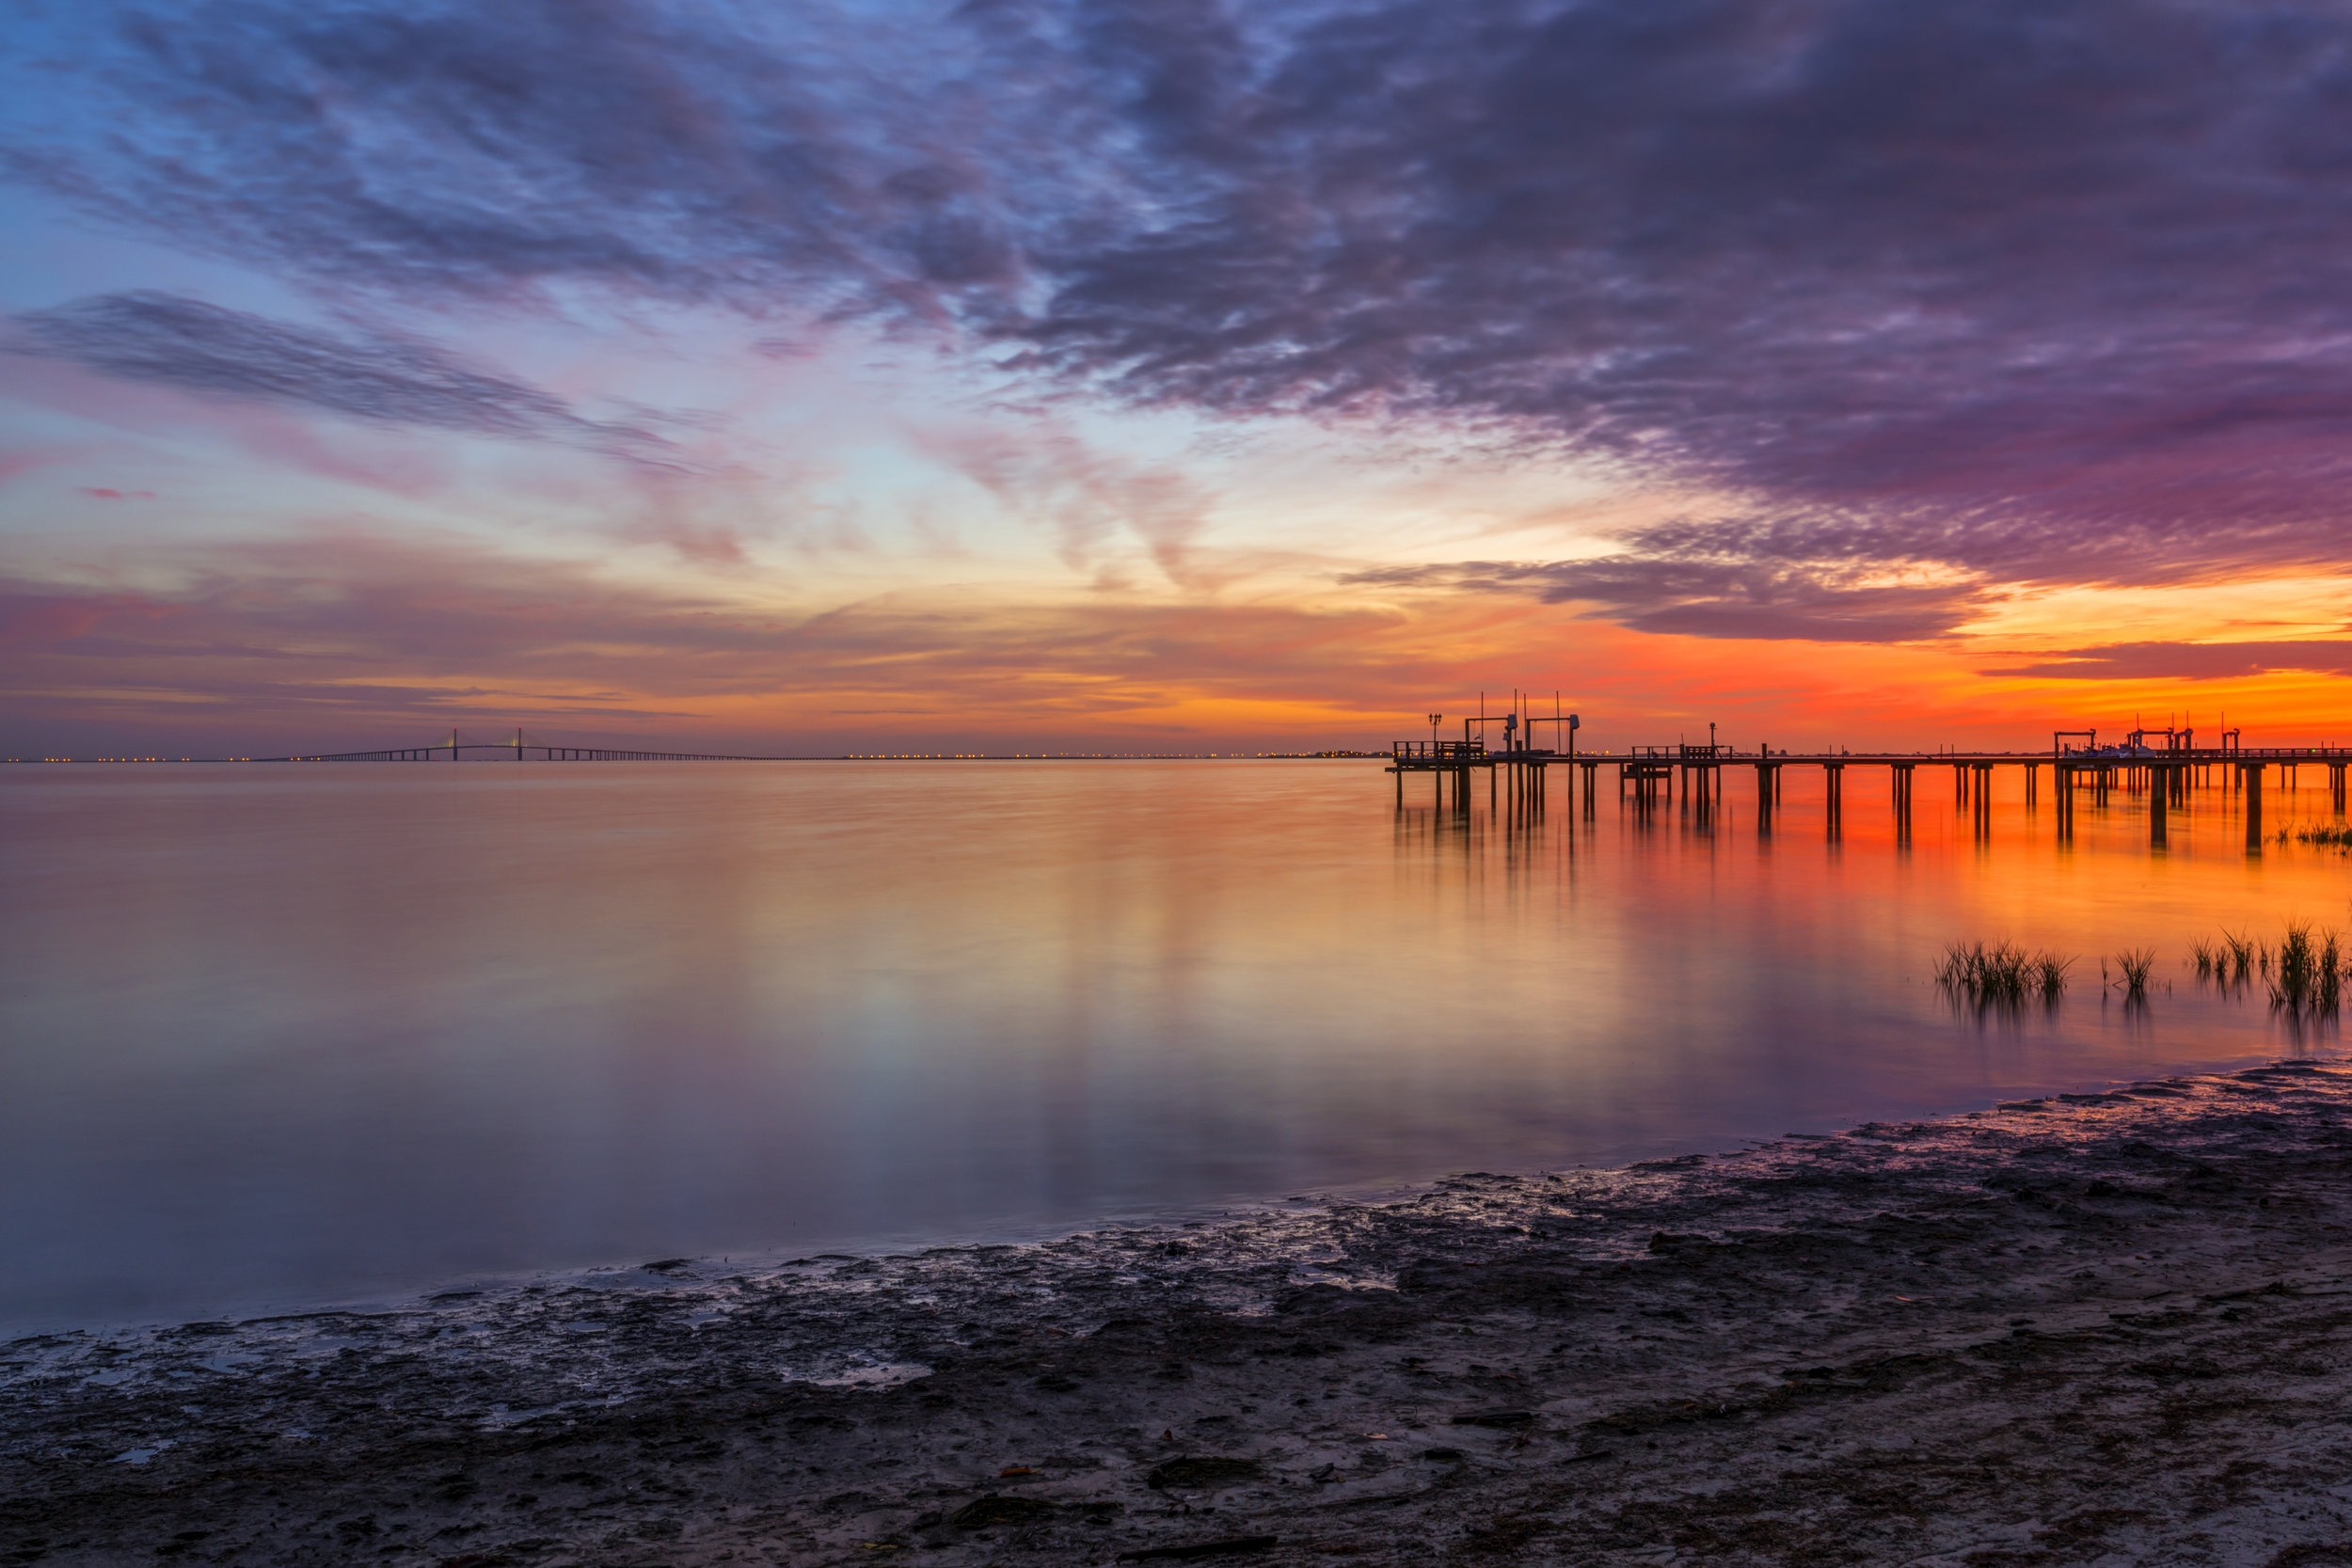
2001	972
2050	974
2135	965
2308	974
2324	835
2242	951
2211	958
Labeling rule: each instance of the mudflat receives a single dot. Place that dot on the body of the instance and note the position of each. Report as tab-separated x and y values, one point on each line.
2111	1328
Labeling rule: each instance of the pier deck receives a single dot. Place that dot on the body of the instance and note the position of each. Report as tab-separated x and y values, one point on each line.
1648	777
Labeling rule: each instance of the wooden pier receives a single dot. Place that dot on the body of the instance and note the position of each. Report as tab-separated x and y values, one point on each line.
1651	778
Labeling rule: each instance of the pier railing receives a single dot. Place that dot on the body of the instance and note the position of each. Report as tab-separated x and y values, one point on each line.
1684	752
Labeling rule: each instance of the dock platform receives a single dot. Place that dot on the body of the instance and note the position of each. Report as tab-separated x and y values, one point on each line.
1649	777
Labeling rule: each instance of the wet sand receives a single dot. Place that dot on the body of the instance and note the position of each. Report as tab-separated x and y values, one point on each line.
2093	1329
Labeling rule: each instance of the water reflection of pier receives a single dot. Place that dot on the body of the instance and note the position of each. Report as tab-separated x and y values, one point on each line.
2163	767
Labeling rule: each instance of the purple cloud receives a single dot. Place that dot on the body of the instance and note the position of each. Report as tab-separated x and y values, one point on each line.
2041	293
204	348
446	148
1730	598
2047	292
2192	661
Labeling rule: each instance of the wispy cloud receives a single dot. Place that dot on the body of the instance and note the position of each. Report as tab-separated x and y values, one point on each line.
344	632
1047	475
2189	661
186	343
1733	597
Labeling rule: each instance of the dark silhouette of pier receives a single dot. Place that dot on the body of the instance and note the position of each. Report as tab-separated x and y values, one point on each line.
2164	765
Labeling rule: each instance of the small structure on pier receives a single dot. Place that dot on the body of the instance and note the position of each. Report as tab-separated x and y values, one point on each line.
1520	761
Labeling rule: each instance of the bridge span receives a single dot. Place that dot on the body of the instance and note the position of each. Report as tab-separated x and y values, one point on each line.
519	748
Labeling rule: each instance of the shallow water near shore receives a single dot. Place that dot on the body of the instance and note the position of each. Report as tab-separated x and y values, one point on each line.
283	1033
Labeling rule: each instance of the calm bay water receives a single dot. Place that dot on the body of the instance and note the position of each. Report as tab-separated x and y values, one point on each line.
295	1034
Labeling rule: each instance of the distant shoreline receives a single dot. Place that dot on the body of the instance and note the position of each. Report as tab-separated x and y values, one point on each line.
840	756
2089	1324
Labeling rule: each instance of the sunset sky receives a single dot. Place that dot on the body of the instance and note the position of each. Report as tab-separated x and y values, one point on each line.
1173	374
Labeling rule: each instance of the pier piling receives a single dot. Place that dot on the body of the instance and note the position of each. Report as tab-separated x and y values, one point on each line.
1689	777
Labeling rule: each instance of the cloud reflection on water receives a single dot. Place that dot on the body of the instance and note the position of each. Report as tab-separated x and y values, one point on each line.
291	1033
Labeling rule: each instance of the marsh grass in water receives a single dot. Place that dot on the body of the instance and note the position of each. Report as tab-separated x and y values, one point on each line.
2001	974
2304	974
2134	965
2308	975
2241	949
2227	962
2320	834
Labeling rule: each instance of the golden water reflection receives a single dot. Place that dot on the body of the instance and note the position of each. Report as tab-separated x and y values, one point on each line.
288	1033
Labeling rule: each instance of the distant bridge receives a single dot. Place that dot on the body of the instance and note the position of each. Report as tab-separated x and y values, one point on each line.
519	748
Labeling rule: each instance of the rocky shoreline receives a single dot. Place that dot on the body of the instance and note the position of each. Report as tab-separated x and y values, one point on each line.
2110	1328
